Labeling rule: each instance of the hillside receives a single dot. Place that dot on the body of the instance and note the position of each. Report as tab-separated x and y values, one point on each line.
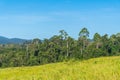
104	68
4	40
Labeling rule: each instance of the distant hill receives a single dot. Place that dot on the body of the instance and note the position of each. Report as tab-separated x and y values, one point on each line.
4	40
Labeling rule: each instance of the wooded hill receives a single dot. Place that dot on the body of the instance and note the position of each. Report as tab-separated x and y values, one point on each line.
4	40
59	48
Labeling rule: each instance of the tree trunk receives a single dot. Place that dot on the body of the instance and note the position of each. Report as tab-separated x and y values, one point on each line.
81	51
67	49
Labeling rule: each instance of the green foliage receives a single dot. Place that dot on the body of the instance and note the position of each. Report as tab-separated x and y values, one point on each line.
59	48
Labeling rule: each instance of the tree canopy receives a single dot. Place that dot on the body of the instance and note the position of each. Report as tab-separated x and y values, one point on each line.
59	48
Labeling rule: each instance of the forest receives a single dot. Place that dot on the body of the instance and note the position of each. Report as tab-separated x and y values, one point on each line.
59	48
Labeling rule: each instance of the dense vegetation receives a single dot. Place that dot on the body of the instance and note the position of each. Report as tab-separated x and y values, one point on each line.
59	48
105	68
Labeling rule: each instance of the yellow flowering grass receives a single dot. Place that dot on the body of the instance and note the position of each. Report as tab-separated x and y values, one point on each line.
104	68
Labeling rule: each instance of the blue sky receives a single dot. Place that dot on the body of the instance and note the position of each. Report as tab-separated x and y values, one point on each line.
44	18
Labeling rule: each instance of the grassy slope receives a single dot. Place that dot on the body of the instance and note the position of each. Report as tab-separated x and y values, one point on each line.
105	68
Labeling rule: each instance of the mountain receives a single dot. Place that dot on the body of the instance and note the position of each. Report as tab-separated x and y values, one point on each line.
4	40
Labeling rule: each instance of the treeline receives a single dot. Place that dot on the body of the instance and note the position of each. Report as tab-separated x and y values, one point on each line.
59	48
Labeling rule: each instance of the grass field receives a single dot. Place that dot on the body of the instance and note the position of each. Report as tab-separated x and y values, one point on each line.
104	68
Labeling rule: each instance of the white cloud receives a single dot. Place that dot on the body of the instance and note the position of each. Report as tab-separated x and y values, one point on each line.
71	15
25	19
108	9
66	13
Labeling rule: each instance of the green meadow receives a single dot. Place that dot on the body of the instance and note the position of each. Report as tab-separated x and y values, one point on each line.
104	68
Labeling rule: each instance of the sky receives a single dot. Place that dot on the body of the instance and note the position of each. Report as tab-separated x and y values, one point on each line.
30	19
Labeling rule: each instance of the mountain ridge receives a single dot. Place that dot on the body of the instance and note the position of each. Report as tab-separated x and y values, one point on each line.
5	40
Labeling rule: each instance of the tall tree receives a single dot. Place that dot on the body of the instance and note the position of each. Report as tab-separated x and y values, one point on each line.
97	39
83	35
64	36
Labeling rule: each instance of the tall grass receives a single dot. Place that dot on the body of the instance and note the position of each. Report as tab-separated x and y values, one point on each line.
105	68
